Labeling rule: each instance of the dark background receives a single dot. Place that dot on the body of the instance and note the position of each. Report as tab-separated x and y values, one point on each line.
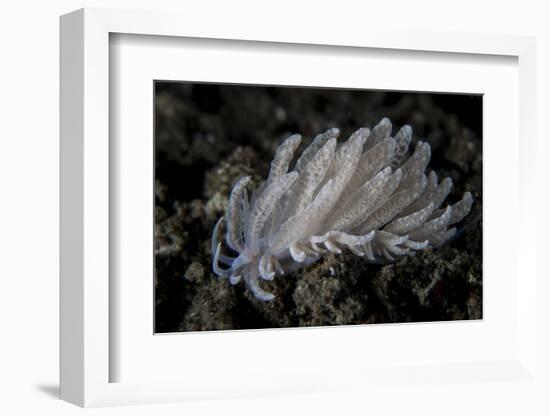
209	135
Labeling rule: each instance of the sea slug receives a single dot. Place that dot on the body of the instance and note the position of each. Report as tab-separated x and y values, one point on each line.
363	195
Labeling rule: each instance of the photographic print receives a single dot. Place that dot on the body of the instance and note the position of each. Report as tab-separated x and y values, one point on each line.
284	206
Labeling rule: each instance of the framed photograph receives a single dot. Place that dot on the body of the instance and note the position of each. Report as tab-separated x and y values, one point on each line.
276	212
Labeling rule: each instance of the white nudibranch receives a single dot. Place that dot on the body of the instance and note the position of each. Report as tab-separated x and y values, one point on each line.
360	195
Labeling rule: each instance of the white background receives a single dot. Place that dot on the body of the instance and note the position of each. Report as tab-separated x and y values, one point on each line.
29	209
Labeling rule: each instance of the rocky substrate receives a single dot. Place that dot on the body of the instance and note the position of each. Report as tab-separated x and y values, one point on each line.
208	136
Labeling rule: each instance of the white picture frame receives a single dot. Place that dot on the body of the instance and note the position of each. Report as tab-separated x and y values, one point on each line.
86	305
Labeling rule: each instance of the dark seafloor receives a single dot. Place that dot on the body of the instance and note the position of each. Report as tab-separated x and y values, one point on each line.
208	136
